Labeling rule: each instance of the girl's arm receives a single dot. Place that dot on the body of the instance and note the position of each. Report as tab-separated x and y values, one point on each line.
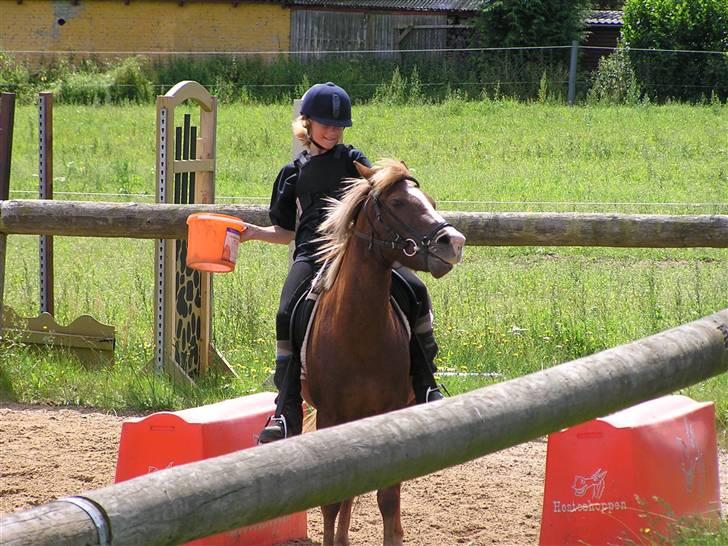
268	234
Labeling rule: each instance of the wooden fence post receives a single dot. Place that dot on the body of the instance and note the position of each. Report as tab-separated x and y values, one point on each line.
7	119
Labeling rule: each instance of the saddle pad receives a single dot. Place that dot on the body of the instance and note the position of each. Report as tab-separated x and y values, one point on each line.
314	297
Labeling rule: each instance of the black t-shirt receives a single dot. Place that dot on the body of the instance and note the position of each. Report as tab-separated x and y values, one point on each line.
300	190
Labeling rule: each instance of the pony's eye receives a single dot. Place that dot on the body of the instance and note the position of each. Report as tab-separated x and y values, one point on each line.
397	203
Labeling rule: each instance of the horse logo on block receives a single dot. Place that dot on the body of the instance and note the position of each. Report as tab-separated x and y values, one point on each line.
691	455
595	482
152	468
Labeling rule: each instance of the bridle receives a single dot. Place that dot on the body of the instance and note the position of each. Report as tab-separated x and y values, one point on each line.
407	239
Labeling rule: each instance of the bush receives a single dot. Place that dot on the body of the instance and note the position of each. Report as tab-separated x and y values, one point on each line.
83	88
614	81
400	90
688	25
15	78
94	82
527	73
129	81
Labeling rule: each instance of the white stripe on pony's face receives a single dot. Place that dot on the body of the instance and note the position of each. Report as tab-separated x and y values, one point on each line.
418	194
447	244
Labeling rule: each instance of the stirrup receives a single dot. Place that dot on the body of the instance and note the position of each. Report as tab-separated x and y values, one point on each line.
275	429
436	395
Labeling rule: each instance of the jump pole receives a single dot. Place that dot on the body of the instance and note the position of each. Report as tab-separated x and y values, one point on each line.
162	221
272	480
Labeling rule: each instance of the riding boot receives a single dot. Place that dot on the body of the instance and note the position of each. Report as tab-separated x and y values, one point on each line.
423	350
288	418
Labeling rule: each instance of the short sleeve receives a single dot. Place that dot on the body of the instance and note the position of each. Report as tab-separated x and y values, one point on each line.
358	156
283	199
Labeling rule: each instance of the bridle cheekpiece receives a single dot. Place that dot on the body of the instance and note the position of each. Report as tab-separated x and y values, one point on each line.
408	243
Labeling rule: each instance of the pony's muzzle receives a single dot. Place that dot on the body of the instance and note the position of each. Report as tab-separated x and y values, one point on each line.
448	245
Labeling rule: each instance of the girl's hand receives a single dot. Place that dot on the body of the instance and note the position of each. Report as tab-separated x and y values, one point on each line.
249	233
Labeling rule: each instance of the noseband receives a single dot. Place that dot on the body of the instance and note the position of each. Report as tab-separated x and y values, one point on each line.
408	240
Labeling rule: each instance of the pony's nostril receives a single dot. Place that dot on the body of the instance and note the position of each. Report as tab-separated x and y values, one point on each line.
443	239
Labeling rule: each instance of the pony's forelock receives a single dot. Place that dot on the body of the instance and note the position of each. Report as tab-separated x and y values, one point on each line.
341	216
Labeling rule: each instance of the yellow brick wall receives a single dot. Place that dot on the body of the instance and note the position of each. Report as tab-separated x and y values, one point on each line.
112	25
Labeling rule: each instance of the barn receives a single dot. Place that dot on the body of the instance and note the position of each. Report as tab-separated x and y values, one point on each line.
386	26
309	27
145	26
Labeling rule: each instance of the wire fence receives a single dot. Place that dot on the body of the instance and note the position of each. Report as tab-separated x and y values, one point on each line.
444	204
436	73
290	53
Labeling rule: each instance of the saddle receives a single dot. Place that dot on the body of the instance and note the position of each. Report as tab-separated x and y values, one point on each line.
305	302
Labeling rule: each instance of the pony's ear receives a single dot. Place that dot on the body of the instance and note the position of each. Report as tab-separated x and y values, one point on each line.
364	171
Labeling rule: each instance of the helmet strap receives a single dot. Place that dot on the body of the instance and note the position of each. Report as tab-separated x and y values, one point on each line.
315	143
321	148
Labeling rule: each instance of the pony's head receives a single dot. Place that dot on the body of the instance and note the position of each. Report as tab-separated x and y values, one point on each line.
387	209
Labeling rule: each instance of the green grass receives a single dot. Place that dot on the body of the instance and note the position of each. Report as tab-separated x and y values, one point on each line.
505	311
462	151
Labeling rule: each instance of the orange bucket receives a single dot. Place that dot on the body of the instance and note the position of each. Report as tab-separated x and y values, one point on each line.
212	241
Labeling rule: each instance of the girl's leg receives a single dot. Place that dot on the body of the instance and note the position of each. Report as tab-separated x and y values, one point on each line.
423	347
288	419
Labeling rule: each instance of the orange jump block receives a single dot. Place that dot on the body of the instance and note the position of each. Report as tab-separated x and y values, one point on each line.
622	479
167	439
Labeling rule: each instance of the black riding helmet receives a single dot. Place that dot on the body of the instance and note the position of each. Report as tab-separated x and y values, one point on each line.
327	103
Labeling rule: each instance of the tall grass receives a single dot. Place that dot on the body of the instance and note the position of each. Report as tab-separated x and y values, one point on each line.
509	155
269	78
503	313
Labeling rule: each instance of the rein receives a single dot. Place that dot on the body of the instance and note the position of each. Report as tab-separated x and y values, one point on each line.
409	243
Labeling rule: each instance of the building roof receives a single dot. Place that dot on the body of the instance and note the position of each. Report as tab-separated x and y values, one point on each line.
460	6
605	17
466	7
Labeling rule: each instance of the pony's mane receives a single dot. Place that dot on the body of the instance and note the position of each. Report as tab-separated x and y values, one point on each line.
338	227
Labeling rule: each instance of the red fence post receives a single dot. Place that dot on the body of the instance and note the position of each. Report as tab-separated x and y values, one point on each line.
7	118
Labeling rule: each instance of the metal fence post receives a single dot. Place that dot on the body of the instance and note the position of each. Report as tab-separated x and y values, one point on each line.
45	191
572	72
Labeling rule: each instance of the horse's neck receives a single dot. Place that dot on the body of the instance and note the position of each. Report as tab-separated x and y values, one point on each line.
363	283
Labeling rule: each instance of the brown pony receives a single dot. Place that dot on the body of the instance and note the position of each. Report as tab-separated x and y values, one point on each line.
357	350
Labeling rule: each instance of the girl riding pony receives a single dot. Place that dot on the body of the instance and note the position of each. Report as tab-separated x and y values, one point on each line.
297	209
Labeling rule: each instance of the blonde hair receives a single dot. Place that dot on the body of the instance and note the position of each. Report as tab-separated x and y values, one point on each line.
302	131
301	127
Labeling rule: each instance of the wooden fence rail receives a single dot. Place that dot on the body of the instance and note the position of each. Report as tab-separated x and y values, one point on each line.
195	500
160	221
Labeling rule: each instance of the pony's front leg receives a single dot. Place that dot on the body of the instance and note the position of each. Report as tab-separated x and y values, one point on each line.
388	500
342	527
329	512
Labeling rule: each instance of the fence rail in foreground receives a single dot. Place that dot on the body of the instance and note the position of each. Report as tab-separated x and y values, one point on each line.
258	484
162	221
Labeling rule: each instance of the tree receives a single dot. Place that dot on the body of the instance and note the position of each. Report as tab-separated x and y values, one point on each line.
524	24
687	25
516	23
